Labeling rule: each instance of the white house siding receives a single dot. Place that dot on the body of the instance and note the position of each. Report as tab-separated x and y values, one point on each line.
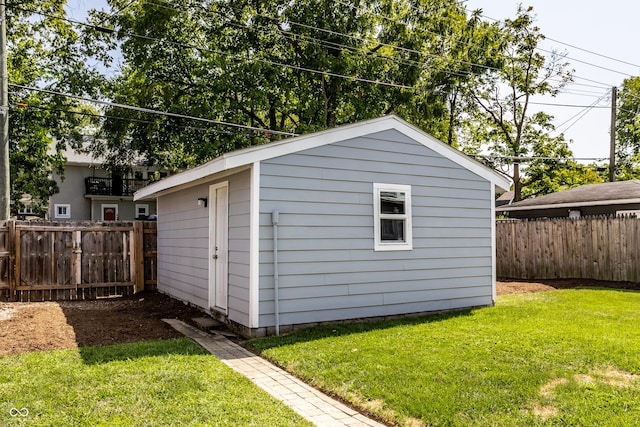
328	269
183	251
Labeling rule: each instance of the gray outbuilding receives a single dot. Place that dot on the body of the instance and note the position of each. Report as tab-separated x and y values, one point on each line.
372	219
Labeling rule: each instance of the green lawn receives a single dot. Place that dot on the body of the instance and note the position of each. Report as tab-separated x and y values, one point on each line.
567	357
154	383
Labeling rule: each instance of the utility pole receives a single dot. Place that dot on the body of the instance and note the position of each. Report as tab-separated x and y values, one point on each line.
5	198
612	147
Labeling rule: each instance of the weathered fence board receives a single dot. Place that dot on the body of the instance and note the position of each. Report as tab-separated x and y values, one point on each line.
587	248
75	260
6	260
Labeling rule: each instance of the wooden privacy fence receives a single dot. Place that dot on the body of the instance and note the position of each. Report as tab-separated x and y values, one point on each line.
603	248
76	260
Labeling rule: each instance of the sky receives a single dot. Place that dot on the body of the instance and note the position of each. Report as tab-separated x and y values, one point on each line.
606	28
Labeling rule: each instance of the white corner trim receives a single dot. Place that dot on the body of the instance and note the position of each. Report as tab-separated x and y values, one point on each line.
494	256
254	247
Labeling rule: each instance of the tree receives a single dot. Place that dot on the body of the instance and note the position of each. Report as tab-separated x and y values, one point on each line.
461	47
294	66
46	55
552	170
628	130
503	96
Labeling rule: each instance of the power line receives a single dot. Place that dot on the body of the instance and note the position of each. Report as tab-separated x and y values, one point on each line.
523	159
150	111
588	63
236	56
573	46
580	115
299	68
593	53
424	54
349	36
183	45
127	119
585	93
538	48
282	65
551	104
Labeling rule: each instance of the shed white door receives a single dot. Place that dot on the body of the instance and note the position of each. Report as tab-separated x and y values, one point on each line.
218	245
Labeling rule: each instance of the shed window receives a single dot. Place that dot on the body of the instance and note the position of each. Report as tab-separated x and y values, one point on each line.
392	217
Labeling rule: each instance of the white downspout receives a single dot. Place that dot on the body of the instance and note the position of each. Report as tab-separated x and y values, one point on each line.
275	218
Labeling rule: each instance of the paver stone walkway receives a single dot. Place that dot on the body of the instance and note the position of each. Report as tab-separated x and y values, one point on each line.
312	404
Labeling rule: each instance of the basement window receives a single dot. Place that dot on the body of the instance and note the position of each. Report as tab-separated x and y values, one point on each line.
392	217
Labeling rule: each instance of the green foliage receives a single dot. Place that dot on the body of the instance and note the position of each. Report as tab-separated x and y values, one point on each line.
154	383
288	67
552	170
503	122
45	52
296	66
628	130
552	358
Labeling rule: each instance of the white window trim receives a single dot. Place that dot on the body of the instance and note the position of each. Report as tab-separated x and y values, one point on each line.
62	216
379	245
144	206
108	205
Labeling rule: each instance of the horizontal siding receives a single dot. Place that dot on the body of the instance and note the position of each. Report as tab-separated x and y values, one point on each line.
326	243
328	269
363	311
316	290
372	266
345	257
384	277
183	245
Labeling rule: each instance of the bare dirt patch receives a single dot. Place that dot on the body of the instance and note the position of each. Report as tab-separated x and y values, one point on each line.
41	326
544	412
509	286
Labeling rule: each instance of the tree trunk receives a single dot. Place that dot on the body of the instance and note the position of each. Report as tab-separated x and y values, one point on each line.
273	119
517	184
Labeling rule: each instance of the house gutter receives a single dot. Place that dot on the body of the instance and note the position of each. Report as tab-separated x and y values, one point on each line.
568	205
275	218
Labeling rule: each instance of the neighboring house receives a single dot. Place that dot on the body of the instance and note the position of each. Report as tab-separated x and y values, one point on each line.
505	198
610	198
366	220
89	192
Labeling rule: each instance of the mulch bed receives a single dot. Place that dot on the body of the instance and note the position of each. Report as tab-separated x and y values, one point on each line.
44	326
509	286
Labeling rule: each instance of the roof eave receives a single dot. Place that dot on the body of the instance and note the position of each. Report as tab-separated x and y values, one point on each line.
569	205
291	145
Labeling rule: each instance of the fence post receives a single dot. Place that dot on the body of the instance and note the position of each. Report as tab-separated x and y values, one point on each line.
76	259
138	256
12	248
